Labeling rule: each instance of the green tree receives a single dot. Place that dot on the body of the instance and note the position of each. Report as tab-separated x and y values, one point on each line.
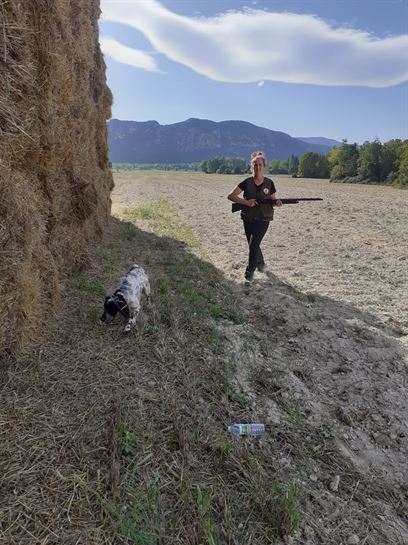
334	157
313	165
293	164
224	165
402	176
369	162
391	153
278	167
347	165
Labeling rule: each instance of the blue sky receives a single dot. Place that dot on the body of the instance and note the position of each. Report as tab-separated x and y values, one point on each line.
332	68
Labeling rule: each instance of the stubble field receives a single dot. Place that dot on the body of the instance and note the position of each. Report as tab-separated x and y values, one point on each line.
334	309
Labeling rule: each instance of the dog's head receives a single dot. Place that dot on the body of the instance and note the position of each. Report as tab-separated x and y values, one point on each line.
112	306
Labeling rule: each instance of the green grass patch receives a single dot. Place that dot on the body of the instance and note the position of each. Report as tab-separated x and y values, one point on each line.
204	500
140	520
128	440
192	290
295	414
91	285
163	220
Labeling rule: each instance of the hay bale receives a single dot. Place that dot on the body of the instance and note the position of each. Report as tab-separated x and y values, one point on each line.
55	180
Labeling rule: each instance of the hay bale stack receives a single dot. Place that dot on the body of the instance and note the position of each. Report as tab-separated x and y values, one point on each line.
55	180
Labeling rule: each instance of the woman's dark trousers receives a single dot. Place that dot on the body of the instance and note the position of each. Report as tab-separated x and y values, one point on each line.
255	231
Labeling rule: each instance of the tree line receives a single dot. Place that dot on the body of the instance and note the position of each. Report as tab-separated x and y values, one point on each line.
371	162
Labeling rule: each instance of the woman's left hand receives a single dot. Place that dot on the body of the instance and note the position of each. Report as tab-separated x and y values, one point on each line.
278	203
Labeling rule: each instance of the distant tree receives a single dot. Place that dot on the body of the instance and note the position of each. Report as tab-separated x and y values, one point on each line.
293	164
214	164
402	176
369	162
347	164
313	165
334	157
224	165
278	167
391	153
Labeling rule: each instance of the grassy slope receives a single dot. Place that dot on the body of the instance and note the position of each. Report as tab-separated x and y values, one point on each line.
117	439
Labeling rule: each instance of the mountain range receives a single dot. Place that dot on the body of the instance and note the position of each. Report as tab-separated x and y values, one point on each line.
197	140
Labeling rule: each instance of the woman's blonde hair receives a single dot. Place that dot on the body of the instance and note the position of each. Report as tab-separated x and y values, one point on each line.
255	155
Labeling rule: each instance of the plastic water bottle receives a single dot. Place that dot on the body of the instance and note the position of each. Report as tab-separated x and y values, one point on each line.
252	430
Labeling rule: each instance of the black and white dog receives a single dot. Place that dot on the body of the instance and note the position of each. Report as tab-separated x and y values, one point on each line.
127	297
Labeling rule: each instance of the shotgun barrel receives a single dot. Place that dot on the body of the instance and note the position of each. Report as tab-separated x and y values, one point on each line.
236	206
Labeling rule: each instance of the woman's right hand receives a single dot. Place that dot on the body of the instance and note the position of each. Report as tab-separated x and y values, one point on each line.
251	202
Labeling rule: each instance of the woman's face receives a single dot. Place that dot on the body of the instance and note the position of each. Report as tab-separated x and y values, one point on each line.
258	167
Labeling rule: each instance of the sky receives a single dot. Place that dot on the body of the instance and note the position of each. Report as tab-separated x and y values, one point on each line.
329	68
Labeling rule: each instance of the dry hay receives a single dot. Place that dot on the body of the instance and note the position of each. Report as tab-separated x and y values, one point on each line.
55	181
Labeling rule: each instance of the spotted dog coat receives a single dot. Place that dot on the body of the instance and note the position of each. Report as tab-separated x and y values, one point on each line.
127	297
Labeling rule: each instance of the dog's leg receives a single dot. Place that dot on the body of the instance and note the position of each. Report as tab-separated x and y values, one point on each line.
147	288
133	314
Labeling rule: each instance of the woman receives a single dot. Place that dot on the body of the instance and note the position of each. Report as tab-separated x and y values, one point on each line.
258	214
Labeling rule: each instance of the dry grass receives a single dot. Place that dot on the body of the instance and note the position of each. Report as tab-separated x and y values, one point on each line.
65	472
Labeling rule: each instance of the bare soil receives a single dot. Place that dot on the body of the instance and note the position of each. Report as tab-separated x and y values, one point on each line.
334	308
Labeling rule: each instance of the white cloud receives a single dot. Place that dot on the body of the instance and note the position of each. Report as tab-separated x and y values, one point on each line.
127	55
254	45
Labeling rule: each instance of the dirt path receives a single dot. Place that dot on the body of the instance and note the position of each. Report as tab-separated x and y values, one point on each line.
334	308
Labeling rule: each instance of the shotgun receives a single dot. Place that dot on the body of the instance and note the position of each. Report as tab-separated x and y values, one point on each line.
236	206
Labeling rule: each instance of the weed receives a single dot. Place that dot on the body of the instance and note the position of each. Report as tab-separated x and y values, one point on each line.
215	341
130	231
286	506
94	313
295	414
291	508
227	448
142	212
235	396
128	440
91	285
140	522
204	500
327	431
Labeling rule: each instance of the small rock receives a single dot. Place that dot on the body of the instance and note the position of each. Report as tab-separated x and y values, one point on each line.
334	485
313	477
353	540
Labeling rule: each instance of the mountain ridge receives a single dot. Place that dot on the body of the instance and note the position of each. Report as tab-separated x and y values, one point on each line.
195	140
